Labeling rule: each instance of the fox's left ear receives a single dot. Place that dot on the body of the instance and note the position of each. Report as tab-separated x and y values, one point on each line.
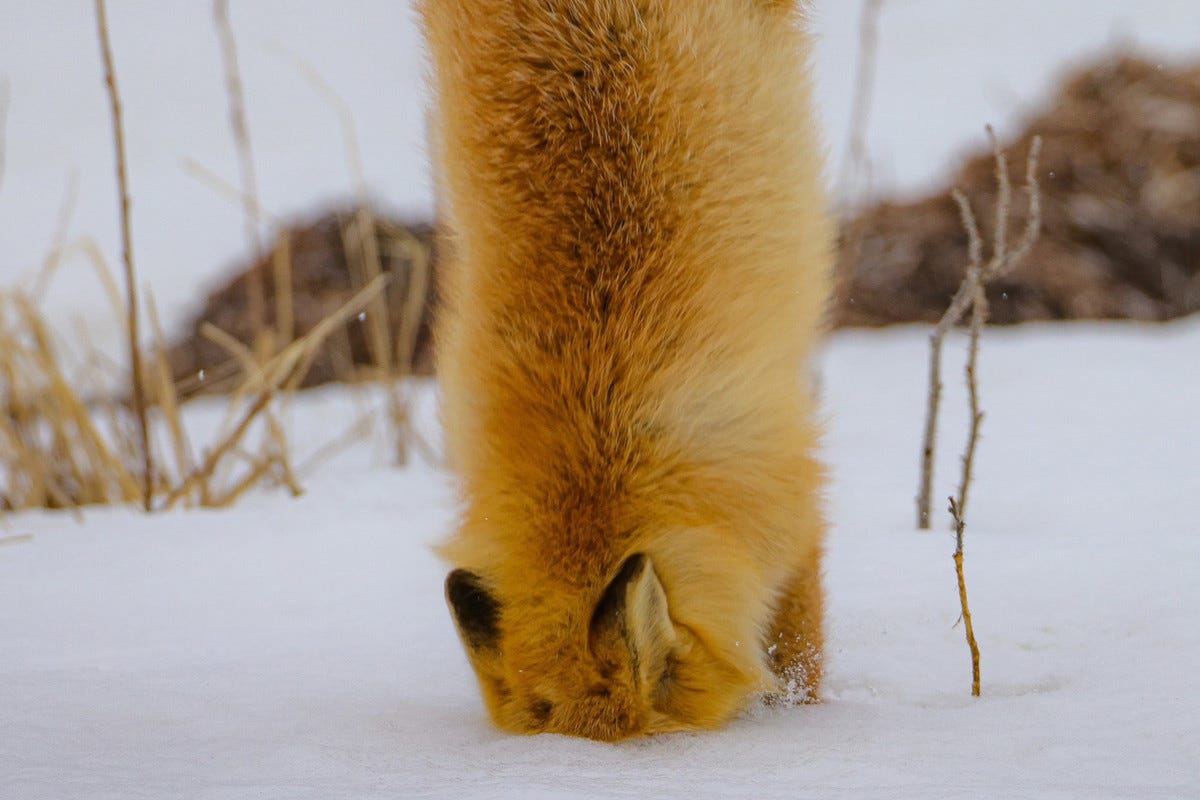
634	609
476	611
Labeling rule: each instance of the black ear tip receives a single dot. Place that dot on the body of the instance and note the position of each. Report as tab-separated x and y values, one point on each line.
460	580
612	602
476	611
633	567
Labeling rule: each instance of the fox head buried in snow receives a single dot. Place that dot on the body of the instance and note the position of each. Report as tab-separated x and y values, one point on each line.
608	667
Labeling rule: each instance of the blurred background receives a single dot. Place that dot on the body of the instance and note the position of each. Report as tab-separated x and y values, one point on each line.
334	101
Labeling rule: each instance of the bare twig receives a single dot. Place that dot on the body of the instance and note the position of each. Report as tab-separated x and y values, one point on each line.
341	109
972	293
255	295
360	239
135	359
972	644
281	265
854	159
5	93
201	474
226	189
979	315
168	400
58	240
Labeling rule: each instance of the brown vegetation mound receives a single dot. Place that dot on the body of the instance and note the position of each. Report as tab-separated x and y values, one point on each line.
322	262
1120	207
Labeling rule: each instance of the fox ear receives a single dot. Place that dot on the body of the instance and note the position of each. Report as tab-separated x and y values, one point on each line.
476	611
634	608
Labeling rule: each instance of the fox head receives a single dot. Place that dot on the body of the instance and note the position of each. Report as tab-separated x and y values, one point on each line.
606	668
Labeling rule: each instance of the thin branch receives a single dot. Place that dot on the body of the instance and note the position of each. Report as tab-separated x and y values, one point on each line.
1003	199
972	644
957	306
362	241
226	189
201	474
979	314
978	301
972	294
58	240
864	84
255	294
1033	223
168	399
5	97
135	359
341	109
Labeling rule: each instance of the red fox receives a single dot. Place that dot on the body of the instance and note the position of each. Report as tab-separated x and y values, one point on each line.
639	259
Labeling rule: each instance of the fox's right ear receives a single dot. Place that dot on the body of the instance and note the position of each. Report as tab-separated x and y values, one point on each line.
476	611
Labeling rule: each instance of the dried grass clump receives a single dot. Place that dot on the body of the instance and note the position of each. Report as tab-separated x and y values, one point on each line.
311	271
67	442
55	450
1121	197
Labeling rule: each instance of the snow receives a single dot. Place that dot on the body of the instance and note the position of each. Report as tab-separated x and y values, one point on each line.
300	648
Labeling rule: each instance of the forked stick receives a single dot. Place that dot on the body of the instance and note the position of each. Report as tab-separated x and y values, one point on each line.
972	293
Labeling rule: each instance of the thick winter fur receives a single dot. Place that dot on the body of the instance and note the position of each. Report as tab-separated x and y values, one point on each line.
638	270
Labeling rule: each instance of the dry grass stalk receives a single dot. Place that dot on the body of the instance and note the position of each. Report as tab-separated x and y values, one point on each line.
362	251
264	381
53	453
135	359
241	139
58	239
281	265
227	190
971	294
58	450
854	162
168	400
415	292
360	240
5	93
854	181
265	341
356	431
201	476
972	644
276	443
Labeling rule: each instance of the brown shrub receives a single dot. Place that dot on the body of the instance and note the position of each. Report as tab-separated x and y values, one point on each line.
1120	206
322	256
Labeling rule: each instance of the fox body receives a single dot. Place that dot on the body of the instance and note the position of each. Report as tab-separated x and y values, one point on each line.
637	272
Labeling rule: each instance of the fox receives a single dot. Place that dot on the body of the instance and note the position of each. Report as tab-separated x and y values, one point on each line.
637	257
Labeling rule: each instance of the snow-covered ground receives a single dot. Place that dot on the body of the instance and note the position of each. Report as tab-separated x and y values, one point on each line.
301	649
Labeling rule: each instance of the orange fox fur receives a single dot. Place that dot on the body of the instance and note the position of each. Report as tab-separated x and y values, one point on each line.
639	262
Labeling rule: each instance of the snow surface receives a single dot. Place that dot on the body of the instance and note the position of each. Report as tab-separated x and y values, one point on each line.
301	648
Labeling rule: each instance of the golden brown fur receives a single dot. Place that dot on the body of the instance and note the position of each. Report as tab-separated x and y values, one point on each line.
639	258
